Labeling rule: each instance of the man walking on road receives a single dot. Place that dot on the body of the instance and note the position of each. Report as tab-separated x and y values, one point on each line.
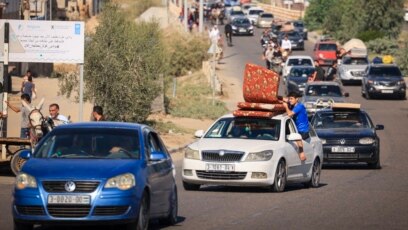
228	33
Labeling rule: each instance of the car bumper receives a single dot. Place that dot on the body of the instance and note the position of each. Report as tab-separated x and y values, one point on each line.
298	46
243	31
326	62
386	91
264	24
361	153
194	171
32	207
351	78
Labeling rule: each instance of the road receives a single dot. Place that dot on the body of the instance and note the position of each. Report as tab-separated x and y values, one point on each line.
350	196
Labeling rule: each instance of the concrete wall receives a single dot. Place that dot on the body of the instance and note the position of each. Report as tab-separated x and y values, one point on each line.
282	13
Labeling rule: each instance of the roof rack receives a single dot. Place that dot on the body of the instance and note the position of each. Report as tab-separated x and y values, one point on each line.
346	106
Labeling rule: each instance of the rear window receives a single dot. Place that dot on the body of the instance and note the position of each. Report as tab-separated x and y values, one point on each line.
355	61
267	15
255	12
328	47
324	91
305	62
341	120
383	71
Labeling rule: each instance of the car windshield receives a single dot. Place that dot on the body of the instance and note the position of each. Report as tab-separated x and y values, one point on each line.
298	24
340	120
301	72
90	143
300	61
328	47
323	91
245	128
267	16
237	13
385	72
241	21
255	12
354	61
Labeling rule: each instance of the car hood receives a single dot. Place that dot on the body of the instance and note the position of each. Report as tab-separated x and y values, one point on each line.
314	99
245	25
326	54
242	145
346	133
298	80
386	79
79	168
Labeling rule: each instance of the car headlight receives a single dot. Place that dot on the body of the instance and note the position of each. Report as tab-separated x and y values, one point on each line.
260	156
309	105
191	154
323	141
401	82
251	28
23	180
300	40
304	30
122	182
366	141
234	27
321	56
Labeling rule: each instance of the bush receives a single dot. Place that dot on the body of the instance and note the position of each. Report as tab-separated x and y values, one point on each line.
369	35
401	58
383	46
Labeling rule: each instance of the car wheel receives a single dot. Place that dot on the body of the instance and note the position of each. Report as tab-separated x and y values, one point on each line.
22	226
17	163
190	187
142	222
279	182
171	218
376	164
315	177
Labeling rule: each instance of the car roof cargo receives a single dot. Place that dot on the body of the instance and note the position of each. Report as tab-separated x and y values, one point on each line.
355	47
339	106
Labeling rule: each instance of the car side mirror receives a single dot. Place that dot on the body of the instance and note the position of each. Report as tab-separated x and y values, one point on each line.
379	127
199	133
158	156
294	137
25	154
346	94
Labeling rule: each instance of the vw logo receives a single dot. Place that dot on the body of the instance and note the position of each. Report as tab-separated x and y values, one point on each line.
70	186
222	153
342	141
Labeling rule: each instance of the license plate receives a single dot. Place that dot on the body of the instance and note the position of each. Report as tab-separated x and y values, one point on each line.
387	91
220	167
342	149
242	30
69	199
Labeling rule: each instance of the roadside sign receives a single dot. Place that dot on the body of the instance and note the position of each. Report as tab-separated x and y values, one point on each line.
44	41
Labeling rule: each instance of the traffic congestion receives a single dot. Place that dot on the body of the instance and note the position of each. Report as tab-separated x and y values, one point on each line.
316	141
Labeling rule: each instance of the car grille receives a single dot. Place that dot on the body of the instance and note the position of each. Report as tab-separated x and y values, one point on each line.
342	156
80	186
387	83
69	211
342	141
357	73
31	210
228	156
110	210
221	175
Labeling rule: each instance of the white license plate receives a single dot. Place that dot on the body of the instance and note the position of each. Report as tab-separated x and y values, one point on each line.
343	149
220	167
387	91
242	30
69	199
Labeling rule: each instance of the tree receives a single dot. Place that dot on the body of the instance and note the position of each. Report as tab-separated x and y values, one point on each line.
123	61
317	12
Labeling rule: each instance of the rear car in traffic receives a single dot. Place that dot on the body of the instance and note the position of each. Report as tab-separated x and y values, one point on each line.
242	26
348	135
96	173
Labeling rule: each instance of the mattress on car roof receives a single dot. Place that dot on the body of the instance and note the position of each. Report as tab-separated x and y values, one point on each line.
261	85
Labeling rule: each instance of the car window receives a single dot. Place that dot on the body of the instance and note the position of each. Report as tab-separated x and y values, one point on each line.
300	61
289	127
245	128
354	61
255	12
301	72
241	21
385	71
85	143
298	24
341	120
323	90
267	16
328	47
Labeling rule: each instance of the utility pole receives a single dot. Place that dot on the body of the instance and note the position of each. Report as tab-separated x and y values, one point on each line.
185	16
201	17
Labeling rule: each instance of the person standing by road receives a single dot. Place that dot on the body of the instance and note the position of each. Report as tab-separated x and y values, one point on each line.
228	33
28	87
57	119
25	112
331	72
318	74
298	112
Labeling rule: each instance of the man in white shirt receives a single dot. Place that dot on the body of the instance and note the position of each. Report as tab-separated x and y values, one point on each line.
58	119
286	45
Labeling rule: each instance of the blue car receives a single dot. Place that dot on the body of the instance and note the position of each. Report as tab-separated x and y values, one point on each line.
96	173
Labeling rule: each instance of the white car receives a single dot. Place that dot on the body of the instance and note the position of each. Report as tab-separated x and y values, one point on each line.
406	15
253	14
296	60
247	6
251	151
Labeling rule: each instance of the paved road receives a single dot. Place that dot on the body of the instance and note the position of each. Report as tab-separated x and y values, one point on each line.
350	197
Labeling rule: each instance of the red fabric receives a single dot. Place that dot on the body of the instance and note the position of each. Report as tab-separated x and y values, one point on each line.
253	113
260	84
261	106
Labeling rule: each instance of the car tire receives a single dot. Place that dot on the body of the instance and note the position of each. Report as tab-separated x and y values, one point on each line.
142	222
190	187
17	163
279	181
315	177
22	226
172	218
376	164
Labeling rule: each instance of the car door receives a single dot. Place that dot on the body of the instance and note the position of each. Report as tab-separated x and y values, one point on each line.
297	169
160	174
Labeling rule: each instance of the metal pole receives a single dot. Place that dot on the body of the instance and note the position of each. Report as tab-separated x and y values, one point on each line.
213	71
185	16
81	91
201	17
6	89
50	10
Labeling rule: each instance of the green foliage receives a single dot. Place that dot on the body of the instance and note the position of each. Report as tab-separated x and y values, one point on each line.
164	127
317	12
194	100
382	46
402	58
369	35
186	53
